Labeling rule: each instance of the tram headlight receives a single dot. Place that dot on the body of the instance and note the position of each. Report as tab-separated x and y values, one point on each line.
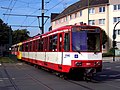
97	63
78	63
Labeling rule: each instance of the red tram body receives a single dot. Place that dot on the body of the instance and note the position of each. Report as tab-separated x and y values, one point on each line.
74	47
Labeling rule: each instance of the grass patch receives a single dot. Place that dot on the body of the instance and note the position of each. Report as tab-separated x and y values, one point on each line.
6	60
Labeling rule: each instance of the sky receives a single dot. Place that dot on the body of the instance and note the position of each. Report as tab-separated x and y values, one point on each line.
30	7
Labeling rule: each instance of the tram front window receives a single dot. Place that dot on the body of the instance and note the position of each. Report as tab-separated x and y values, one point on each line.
85	40
93	41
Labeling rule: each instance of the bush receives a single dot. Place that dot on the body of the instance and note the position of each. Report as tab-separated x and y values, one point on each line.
109	53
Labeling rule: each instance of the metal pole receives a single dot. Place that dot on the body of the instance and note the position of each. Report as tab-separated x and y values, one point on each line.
114	37
88	11
10	40
42	16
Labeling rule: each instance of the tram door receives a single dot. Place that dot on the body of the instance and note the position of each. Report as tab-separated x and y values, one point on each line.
64	45
60	48
45	49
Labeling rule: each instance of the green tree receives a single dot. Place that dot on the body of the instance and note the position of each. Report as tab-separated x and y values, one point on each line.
104	37
4	32
20	35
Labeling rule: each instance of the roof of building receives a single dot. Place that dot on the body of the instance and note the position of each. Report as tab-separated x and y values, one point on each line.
79	6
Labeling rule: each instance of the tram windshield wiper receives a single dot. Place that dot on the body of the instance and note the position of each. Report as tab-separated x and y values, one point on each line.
76	49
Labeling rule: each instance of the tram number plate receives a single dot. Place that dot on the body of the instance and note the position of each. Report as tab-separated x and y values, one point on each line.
88	64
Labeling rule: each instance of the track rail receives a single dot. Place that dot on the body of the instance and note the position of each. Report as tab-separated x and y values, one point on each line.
49	88
10	78
39	82
80	85
36	80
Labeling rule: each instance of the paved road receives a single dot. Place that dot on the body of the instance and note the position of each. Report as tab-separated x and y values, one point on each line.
20	76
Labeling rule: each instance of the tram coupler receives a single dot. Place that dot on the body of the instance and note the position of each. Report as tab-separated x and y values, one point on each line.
88	74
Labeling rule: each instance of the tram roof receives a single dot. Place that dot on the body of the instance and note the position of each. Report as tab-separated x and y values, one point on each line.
52	32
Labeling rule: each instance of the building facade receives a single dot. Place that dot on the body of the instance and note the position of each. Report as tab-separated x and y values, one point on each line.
102	13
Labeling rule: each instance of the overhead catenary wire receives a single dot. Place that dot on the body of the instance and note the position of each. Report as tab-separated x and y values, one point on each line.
8	7
25	15
28	2
55	6
37	9
11	9
31	23
48	2
24	26
30	5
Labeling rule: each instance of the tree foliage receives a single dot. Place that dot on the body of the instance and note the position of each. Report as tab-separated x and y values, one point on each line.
17	35
104	37
20	35
4	32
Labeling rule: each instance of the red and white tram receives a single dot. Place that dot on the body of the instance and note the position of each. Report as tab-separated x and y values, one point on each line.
66	49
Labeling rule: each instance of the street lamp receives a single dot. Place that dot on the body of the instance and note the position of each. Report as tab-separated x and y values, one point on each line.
114	42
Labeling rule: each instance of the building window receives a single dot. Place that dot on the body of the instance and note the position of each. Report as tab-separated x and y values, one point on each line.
101	9
81	13
75	15
116	19
59	21
91	22
91	10
119	32
70	17
119	7
101	21
56	22
116	7
66	18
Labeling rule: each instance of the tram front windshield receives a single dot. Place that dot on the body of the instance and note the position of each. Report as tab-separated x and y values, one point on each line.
84	39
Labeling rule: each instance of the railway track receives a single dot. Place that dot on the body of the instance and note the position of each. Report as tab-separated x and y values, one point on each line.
86	87
49	88
70	81
10	78
37	80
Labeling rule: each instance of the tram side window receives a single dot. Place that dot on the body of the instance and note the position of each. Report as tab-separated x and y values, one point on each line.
16	48
34	45
60	42
50	43
30	46
54	44
66	42
37	41
40	46
22	47
26	47
45	43
12	49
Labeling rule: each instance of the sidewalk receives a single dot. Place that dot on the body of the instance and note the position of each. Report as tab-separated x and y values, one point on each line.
110	59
